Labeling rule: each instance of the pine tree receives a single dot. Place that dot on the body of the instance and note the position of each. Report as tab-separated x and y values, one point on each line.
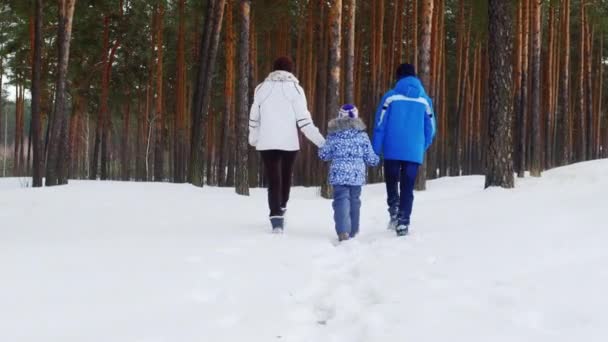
499	168
56	167
35	91
242	176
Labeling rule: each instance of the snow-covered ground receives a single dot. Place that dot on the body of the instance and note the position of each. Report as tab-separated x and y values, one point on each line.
114	262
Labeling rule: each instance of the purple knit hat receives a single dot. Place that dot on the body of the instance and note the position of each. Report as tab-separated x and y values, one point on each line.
348	111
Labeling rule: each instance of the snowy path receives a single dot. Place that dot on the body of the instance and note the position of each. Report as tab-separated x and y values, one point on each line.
160	262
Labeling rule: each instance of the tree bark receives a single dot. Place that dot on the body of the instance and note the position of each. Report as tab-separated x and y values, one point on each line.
499	171
350	51
159	146
227	146
564	98
202	95
180	102
582	136
2	124
125	158
56	168
242	175
35	92
425	68
523	109
333	84
537	143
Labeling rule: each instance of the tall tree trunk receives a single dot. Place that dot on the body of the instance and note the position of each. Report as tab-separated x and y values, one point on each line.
242	176
588	56
602	146
2	121
56	168
350	51
564	98
415	27
537	144
17	136
499	170
582	128
159	146
523	109
36	85
319	101
100	146
202	93
180	93
125	159
227	146
425	68
333	84
103	104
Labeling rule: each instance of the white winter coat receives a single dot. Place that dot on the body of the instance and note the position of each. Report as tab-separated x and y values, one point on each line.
279	109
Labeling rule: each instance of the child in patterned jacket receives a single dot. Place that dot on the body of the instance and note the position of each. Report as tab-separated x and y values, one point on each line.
349	149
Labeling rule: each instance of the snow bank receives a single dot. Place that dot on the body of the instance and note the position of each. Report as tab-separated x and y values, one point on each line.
113	261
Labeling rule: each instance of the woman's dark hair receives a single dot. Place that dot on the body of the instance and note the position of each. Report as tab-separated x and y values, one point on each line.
283	63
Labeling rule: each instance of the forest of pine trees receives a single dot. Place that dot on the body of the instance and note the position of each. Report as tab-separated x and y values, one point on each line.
159	90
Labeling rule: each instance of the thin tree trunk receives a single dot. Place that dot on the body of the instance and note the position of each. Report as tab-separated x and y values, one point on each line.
350	51
180	101
159	146
564	98
523	110
125	162
2	121
499	171
333	84
582	136
537	144
425	68
227	146
202	94
35	91
242	176
56	168
588	56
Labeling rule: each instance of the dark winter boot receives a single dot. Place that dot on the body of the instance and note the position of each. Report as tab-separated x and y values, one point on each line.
277	223
393	218
392	224
402	230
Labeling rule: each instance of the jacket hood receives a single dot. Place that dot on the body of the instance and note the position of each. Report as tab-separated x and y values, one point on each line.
410	87
282	76
343	124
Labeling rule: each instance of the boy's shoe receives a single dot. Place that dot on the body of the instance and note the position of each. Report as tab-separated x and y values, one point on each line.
392	224
343	237
277	223
402	230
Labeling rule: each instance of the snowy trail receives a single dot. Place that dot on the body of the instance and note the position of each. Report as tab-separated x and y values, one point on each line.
159	262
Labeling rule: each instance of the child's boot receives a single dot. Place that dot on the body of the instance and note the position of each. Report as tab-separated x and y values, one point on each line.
343	237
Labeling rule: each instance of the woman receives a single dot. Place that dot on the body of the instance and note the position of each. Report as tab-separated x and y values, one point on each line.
279	109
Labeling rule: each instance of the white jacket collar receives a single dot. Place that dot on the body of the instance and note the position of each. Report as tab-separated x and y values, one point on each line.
282	76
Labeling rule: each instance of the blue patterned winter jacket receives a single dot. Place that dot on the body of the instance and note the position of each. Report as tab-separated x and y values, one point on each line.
349	149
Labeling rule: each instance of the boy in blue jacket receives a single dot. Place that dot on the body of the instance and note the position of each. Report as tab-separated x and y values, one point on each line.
349	149
405	128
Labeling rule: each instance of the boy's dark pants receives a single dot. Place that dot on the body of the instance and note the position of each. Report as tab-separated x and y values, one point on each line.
278	165
400	177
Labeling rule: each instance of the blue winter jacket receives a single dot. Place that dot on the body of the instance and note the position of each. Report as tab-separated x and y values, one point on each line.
405	122
349	150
